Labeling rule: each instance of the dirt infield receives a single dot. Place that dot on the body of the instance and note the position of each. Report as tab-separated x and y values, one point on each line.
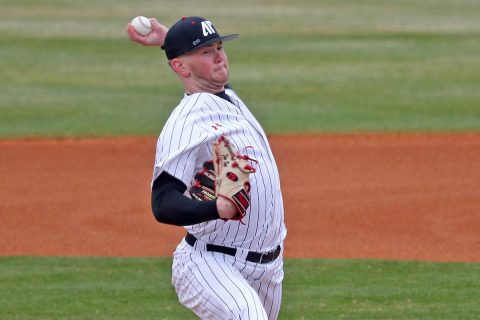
406	196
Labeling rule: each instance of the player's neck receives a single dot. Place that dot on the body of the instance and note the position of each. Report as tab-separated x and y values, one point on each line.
196	87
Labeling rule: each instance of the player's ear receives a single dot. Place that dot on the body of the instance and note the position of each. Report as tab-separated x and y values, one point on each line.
179	67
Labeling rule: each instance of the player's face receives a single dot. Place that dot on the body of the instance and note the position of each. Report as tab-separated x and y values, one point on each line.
209	65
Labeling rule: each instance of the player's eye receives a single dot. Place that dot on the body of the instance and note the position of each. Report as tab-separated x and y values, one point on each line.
208	51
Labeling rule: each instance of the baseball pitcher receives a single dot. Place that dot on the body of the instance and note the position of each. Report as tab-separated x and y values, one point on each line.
215	174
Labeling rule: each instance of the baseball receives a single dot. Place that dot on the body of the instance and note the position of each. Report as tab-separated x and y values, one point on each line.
142	25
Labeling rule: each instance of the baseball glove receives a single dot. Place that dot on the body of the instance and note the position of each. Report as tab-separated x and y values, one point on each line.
203	186
227	176
232	172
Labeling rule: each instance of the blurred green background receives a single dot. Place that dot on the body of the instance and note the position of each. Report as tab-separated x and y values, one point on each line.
67	67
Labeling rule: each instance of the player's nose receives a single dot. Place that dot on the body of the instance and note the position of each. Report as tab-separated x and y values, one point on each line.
218	56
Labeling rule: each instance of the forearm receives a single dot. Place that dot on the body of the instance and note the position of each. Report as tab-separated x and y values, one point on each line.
170	206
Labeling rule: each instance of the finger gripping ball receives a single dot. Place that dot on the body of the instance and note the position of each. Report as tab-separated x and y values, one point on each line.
142	25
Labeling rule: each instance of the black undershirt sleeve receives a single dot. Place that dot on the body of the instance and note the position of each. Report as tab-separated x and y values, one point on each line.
170	206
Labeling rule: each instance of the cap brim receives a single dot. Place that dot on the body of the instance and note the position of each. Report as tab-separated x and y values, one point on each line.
222	38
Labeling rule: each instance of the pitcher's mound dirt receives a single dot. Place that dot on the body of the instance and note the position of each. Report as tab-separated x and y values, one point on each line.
407	196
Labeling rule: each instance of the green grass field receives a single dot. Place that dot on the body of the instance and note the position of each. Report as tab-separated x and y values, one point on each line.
128	288
67	68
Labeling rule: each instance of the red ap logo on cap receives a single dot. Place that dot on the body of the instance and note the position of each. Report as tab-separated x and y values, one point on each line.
207	28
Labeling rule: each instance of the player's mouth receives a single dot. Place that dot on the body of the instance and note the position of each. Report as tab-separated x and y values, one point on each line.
221	68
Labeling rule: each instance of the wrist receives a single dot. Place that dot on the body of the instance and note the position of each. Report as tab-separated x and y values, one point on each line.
226	209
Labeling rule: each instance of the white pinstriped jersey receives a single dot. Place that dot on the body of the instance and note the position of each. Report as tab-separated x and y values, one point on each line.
186	142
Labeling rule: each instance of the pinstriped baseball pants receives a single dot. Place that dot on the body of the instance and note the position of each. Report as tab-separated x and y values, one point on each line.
218	286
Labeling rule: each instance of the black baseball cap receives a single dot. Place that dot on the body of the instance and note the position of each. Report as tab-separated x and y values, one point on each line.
190	33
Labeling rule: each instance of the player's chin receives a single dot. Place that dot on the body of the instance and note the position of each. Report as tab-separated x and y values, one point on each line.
221	77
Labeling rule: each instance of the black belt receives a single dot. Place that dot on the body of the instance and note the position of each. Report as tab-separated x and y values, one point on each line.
251	256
